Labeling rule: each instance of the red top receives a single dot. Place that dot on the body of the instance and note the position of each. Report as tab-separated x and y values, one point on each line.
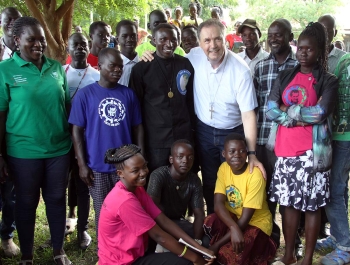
91	59
296	140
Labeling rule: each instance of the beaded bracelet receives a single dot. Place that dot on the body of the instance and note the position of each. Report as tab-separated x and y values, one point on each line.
183	252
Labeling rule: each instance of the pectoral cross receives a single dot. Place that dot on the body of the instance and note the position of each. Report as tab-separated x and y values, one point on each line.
211	110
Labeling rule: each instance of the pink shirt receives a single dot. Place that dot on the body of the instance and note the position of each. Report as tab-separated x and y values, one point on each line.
124	221
297	140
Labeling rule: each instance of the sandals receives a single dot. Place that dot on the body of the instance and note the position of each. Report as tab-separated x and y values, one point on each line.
63	258
336	257
25	261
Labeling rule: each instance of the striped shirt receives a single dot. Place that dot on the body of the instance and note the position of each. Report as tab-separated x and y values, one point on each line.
266	72
334	58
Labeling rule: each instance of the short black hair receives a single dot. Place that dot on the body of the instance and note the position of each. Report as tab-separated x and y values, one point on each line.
95	25
75	34
330	17
21	23
124	22
180	141
235	137
119	155
10	9
218	8
198	5
190	27
163	26
285	23
156	12
103	53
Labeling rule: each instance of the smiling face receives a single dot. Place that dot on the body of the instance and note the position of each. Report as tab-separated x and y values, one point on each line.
31	43
8	17
193	11
101	37
278	38
78	47
178	13
134	173
127	38
111	68
307	52
166	42
212	42
235	154
250	37
182	158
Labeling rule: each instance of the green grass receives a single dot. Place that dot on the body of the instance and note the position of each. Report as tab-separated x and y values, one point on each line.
43	256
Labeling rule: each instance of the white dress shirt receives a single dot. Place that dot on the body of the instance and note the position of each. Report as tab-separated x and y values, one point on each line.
128	65
252	62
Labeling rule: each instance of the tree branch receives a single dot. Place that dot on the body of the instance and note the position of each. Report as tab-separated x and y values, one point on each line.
67	23
64	7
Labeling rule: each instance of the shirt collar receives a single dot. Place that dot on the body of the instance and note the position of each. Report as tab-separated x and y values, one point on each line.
126	60
22	62
223	63
291	55
256	56
333	52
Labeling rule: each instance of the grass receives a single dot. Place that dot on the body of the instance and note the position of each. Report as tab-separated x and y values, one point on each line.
43	256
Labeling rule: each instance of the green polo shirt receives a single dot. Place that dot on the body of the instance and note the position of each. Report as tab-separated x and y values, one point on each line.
147	46
36	125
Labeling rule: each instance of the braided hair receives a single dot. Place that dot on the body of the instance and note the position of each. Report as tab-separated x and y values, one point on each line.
198	5
317	31
218	10
119	155
21	23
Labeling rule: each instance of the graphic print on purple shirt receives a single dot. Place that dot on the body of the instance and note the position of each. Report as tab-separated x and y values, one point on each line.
107	115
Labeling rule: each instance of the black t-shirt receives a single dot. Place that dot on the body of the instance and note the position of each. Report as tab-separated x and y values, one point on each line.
165	119
175	195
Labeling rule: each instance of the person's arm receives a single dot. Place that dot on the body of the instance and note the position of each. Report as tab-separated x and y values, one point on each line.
198	223
85	172
250	132
3	165
324	107
138	136
154	188
235	233
170	227
170	243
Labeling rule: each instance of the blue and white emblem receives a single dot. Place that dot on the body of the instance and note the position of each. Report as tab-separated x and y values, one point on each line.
181	81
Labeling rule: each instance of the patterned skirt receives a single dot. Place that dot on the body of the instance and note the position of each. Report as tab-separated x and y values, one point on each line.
259	248
294	183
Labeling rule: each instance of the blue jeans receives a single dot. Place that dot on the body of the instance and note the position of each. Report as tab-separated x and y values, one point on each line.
8	198
210	144
51	176
336	209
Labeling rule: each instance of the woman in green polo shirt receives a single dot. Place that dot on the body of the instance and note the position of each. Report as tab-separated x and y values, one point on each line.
33	120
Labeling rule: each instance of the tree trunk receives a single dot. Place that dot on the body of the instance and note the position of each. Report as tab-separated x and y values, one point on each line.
57	24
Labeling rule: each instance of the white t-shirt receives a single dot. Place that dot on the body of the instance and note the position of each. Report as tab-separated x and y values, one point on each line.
229	88
7	51
73	77
251	63
127	67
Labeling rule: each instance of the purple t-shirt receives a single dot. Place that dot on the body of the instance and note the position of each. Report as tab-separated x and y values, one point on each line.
107	114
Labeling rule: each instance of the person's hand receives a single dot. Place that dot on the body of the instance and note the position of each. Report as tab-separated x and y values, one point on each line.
147	56
242	49
283	107
86	175
254	162
237	239
3	170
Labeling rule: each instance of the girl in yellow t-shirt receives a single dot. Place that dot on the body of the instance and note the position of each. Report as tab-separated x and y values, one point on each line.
241	226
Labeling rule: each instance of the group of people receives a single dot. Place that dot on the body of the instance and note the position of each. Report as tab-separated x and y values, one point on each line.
146	118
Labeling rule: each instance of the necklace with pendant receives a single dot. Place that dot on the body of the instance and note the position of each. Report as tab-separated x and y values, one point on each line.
170	93
212	99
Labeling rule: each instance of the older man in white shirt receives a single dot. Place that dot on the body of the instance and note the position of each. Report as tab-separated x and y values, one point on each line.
224	98
253	52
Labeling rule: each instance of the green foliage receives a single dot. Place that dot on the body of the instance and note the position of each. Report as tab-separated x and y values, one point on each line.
298	12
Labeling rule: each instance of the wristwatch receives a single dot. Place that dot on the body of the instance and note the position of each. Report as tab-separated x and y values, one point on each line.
251	153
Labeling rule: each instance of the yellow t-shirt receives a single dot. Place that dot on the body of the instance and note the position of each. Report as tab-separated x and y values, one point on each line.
188	21
147	46
245	190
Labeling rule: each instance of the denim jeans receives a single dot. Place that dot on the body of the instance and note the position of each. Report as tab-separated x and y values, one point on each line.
336	209
210	144
51	176
8	198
